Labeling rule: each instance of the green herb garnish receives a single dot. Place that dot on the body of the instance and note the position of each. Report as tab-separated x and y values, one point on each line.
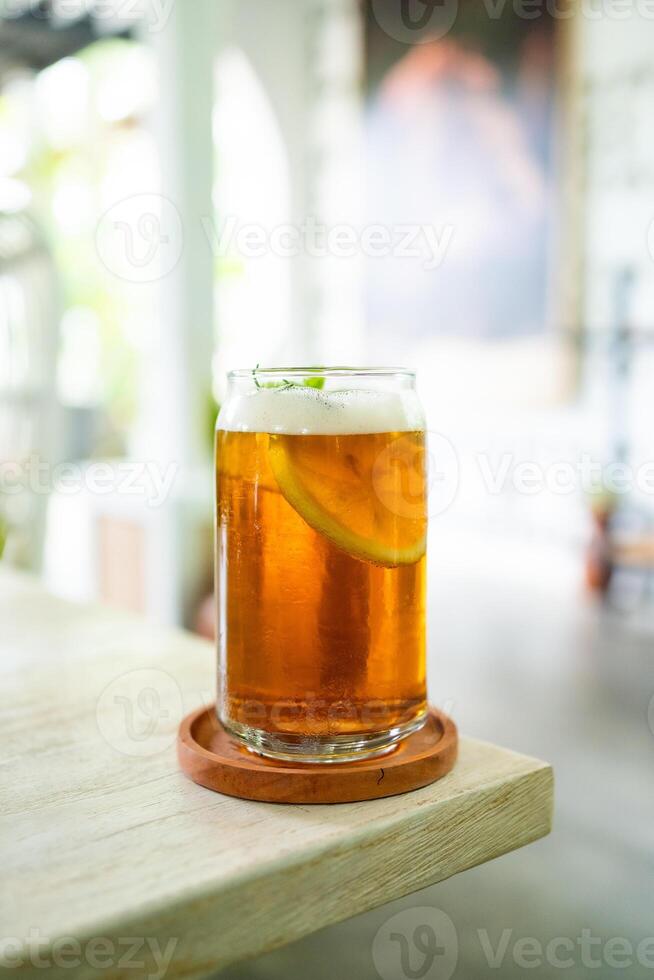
317	383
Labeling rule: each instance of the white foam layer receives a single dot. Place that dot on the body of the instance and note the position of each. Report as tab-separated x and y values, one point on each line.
306	411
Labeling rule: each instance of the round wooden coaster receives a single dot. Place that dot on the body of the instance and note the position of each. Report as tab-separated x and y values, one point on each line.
210	757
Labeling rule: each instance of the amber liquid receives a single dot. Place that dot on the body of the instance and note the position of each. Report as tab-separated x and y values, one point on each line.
313	642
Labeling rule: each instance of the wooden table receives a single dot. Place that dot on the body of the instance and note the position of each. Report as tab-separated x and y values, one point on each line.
105	844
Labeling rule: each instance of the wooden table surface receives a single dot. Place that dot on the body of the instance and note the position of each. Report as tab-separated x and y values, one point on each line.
104	843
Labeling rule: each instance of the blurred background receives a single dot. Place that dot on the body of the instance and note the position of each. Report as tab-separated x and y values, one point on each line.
465	188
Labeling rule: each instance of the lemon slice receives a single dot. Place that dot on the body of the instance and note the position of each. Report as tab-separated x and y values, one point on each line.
365	493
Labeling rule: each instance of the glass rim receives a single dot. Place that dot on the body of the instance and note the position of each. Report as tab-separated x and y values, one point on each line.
322	372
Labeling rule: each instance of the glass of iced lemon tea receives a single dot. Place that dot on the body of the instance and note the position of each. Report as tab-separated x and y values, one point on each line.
320	564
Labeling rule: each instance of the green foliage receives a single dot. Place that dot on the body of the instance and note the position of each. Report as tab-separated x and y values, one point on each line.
83	282
212	415
4	534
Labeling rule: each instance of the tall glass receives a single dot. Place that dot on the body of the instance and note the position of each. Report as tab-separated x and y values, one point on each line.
320	561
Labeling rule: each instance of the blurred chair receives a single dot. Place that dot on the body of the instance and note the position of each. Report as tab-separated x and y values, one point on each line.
28	348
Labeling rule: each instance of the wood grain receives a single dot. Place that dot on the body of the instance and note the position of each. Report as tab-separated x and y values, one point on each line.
102	836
